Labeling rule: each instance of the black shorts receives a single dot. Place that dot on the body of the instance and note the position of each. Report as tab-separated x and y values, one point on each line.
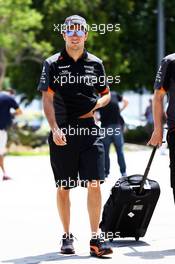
171	145
82	159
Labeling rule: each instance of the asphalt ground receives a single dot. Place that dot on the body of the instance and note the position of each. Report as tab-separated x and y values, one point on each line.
30	230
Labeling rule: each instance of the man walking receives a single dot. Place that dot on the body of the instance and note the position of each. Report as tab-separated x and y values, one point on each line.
7	102
111	120
69	82
149	114
165	84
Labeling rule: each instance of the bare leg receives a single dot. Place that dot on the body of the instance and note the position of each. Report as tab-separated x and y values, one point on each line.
174	194
98	247
94	205
63	205
2	164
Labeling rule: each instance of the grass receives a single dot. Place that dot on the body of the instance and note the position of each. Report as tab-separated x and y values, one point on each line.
44	150
19	150
30	153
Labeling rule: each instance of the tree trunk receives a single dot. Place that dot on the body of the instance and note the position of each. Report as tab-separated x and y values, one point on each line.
2	67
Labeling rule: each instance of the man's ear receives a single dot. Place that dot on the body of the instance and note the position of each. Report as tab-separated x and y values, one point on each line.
86	36
64	36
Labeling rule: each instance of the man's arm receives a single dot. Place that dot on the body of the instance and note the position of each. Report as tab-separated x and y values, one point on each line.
102	88
157	135
14	105
58	137
103	101
125	104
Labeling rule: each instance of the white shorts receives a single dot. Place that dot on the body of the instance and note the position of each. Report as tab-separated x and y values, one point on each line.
3	141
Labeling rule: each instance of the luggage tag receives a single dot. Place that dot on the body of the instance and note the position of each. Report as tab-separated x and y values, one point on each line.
146	185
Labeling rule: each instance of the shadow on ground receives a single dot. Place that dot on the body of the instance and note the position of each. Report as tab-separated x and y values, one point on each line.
128	243
132	246
157	254
53	256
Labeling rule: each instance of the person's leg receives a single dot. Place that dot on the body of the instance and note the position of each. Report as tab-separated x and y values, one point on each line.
63	205
174	194
171	146
107	142
94	205
64	162
3	143
2	164
91	170
118	141
97	245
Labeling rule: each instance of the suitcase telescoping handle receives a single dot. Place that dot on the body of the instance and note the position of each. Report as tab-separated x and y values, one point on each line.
147	169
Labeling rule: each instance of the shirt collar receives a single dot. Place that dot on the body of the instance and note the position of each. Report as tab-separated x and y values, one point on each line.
66	56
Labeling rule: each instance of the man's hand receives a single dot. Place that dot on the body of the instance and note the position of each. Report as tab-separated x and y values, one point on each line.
103	101
59	137
125	104
18	111
98	105
156	138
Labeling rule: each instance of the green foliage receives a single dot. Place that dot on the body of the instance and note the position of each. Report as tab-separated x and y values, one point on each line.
139	135
19	25
24	77
27	32
170	20
35	139
25	136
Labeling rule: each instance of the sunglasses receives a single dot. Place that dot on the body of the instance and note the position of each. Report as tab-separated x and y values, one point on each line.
79	33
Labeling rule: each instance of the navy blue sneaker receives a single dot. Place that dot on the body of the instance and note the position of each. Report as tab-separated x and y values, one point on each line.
67	244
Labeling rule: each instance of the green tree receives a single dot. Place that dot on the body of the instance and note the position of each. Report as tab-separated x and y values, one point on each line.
25	75
19	24
130	53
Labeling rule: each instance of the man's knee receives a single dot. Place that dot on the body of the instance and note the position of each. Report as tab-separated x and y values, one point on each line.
94	185
63	193
1	159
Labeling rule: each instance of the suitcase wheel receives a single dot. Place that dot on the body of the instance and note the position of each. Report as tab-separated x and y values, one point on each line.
137	238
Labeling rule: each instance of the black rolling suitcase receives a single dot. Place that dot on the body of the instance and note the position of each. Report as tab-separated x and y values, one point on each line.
129	209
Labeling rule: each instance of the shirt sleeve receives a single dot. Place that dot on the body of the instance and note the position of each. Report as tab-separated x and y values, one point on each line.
119	98
45	83
101	86
163	76
13	104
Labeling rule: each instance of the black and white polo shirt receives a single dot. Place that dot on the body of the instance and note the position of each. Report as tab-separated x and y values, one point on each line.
75	85
165	80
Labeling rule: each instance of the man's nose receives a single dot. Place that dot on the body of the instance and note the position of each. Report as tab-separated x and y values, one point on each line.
75	34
